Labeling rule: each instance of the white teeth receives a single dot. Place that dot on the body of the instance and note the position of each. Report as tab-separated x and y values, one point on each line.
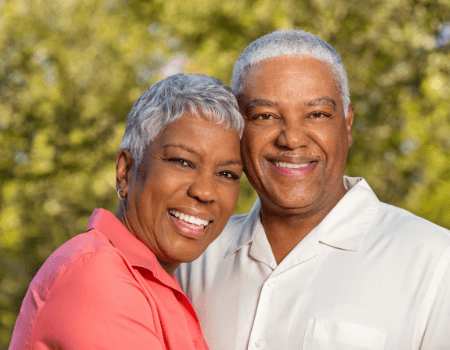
190	219
291	165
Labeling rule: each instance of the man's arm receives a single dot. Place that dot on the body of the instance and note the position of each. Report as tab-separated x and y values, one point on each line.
434	318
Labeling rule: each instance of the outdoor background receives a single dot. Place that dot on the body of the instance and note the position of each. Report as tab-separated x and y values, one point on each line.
70	71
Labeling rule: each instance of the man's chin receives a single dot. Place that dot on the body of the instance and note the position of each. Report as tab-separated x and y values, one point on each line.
290	203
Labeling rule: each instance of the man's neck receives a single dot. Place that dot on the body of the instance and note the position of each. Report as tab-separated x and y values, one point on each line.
284	231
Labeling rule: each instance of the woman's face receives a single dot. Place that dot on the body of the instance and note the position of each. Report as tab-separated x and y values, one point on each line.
182	194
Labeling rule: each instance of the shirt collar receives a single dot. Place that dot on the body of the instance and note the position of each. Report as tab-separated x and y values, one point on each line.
344	227
136	252
348	222
250	227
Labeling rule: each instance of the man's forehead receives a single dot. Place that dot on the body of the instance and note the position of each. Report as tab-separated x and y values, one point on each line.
276	65
265	78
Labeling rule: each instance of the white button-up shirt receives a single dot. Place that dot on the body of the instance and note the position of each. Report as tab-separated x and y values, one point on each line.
369	276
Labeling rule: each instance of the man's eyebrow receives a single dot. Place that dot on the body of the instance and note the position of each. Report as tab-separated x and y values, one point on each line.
256	102
322	101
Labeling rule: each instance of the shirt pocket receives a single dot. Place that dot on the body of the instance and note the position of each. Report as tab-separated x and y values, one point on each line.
336	335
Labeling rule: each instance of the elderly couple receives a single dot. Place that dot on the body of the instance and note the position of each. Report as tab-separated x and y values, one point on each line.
318	263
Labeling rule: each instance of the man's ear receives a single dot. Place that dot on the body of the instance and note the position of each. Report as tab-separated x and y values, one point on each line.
349	124
124	171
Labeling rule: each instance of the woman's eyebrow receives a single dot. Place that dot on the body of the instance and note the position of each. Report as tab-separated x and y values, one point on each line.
232	162
184	147
190	150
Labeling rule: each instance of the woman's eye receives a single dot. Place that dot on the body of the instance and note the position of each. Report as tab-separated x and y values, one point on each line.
182	162
229	175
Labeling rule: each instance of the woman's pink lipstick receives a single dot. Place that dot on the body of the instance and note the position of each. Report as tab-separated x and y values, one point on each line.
188	229
294	172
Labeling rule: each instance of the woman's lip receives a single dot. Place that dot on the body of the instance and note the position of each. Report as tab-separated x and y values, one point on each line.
292	172
192	212
187	229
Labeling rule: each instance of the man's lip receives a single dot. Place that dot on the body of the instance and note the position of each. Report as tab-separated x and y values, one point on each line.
293	173
292	159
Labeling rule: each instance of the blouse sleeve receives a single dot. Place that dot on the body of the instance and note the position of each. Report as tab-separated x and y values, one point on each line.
96	304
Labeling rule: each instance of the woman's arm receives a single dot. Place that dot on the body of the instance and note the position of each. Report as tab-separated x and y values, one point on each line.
96	304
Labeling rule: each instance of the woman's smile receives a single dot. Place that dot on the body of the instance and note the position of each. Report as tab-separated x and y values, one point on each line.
189	225
180	196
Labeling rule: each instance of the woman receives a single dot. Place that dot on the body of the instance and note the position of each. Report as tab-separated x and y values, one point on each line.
178	173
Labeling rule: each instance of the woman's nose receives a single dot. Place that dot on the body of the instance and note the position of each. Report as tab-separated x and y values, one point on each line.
203	188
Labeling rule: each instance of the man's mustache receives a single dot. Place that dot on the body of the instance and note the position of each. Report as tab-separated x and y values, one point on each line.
284	153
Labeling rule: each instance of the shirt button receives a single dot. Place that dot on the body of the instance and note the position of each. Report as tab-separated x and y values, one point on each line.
272	283
260	343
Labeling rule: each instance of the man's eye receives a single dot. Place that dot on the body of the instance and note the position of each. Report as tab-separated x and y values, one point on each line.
229	175
319	115
264	117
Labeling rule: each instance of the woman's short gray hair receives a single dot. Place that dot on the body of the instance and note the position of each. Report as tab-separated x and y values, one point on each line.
169	99
290	43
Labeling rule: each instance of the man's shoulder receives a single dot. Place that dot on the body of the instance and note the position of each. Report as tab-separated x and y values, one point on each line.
394	223
403	225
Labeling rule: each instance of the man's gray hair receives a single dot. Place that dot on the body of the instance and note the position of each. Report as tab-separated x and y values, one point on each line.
169	99
290	43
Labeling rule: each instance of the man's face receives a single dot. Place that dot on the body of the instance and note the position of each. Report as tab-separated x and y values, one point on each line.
296	137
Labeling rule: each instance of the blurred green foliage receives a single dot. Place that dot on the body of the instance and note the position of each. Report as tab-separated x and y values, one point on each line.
70	71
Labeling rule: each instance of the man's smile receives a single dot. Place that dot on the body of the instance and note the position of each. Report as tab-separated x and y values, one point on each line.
291	170
293	165
290	165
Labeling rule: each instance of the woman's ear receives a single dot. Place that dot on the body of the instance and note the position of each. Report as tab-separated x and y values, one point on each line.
124	171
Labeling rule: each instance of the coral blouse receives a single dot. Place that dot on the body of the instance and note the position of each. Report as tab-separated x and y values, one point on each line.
104	289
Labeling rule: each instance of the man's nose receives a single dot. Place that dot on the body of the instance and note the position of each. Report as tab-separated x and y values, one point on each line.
293	135
203	188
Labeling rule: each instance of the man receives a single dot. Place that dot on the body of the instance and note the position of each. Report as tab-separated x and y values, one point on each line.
319	262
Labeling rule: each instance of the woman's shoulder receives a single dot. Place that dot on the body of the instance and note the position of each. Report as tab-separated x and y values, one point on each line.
86	246
90	280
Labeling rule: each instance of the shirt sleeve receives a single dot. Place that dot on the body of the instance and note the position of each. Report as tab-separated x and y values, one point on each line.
96	303
436	322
